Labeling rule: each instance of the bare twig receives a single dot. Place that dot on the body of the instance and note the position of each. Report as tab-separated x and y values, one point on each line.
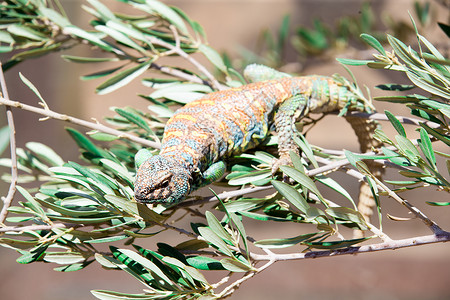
12	142
189	58
91	125
444	236
31	228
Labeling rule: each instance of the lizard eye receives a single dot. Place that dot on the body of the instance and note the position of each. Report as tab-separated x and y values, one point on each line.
165	184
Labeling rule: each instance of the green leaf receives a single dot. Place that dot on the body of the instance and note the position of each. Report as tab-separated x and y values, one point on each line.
438	203
103	137
54	16
4	138
31	86
303	179
63	258
426	147
217	227
331	183
396	123
104	12
211	237
234	265
292	195
71	268
335	244
92	38
45	153
83	60
123	78
26	32
407	148
134	118
100	74
373	42
436	134
33	204
168	13
213	57
353	62
394	87
108	239
347	214
204	263
248	177
110	295
283	243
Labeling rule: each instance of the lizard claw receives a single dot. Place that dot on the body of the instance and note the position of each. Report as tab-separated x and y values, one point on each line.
284	160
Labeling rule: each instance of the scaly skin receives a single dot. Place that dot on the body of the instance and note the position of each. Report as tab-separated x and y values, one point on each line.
204	133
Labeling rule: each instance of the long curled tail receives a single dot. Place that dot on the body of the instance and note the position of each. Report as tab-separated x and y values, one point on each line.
365	129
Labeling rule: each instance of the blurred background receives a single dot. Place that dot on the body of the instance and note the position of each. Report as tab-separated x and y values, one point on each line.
238	28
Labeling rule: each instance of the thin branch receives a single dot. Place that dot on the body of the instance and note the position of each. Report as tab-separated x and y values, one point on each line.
91	125
383	117
189	58
12	142
444	236
31	227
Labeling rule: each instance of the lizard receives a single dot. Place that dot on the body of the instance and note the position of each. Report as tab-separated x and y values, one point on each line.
201	135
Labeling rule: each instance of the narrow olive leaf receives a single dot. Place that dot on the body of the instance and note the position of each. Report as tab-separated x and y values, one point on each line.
84	143
394	218
83	60
72	267
335	244
122	79
249	177
407	148
292	195
240	227
45	153
147	264
110	295
109	239
6	37
210	236
396	123
395	87
204	263
104	12
283	243
100	74
437	203
213	57
92	38
54	16
169	14
134	118
31	86
442	107
101	136
353	62
261	217
234	265
33	204
26	32
347	214
373	42
428	86
436	134
120	37
217	227
4	138
331	183
301	141
426	147
33	255
303	179
64	258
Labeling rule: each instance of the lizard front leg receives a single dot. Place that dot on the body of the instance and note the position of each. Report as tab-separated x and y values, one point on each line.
286	115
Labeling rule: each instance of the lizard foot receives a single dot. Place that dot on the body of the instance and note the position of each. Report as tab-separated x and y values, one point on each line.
284	160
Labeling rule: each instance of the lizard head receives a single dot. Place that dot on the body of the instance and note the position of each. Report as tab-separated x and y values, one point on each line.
161	180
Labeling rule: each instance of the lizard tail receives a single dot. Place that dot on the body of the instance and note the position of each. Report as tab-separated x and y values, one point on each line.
365	129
